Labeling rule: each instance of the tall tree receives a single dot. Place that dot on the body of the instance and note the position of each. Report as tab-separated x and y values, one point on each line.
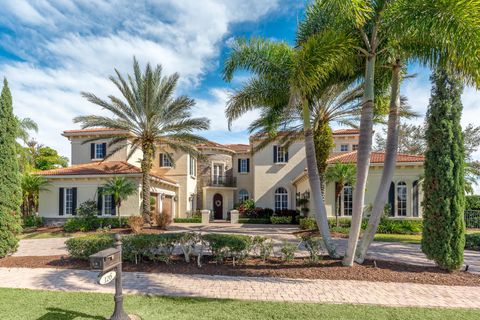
341	174
31	187
151	116
443	237
284	80
10	188
120	188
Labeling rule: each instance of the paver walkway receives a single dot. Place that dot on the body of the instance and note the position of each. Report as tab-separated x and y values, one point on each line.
245	288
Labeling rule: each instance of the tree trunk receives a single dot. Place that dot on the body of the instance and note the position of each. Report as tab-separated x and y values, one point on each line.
323	139
119	216
388	165
363	160
314	180
146	167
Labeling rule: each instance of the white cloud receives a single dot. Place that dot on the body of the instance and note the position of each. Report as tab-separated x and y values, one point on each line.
75	46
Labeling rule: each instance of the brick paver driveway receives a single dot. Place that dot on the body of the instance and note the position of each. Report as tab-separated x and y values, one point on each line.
246	288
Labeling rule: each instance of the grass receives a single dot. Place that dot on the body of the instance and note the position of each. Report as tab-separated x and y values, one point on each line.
45	235
42	305
403	238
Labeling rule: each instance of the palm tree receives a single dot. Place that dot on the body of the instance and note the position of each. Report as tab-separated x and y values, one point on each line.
24	126
151	116
31	186
120	188
392	33
284	81
341	174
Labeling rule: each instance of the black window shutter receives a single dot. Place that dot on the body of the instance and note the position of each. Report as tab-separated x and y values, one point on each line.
92	150
286	155
104	150
275	154
248	164
239	165
99	201
60	201
74	201
391	199
161	159
113	206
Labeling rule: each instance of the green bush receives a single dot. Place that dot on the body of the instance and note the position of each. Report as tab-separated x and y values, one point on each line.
229	245
308	223
281	220
254	220
32	221
84	224
288	251
154	247
402	226
188	220
472	203
83	247
472	241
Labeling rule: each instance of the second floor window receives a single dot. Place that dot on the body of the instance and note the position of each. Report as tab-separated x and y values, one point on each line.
98	150
344	147
243	165
355	147
193	166
280	154
165	160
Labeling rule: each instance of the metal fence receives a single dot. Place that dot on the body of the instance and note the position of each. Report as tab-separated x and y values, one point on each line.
472	219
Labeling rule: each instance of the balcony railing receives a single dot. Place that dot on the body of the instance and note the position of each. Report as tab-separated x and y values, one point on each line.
222	181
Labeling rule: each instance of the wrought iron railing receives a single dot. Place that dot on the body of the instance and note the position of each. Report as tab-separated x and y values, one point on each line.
222	181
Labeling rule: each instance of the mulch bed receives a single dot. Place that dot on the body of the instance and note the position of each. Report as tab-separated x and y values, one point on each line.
381	271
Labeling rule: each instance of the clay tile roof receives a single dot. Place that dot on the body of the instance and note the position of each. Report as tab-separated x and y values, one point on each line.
346	131
376	157
99	168
239	147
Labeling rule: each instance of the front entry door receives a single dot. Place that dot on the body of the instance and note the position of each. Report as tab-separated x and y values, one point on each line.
218	206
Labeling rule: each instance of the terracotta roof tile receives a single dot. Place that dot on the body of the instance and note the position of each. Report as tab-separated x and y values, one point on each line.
376	157
239	147
90	130
99	168
346	131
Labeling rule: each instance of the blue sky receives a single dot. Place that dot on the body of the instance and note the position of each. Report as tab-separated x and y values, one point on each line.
50	51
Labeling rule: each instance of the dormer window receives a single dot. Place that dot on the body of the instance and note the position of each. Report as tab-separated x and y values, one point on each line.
98	151
355	147
165	160
344	147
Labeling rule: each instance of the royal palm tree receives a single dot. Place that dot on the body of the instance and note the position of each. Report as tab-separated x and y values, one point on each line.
393	33
284	81
341	174
120	188
31	187
151	116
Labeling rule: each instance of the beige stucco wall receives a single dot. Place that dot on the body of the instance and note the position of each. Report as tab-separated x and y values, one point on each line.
86	190
81	151
349	140
268	176
244	180
407	174
228	198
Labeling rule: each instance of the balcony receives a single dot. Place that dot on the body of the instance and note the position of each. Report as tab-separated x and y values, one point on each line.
222	181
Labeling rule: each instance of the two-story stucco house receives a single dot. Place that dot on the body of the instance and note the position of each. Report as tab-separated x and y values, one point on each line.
275	177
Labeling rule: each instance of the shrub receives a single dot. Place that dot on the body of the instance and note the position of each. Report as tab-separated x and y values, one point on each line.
281	220
135	223
162	220
400	226
154	247
229	245
472	241
472	203
83	247
288	251
308	224
254	220
188	242
313	246
32	221
84	224
263	247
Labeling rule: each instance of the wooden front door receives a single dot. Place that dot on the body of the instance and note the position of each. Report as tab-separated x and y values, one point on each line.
218	206
167	205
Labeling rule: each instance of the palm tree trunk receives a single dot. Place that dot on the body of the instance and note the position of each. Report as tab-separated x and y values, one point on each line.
146	167
388	165
323	140
119	216
363	160
314	180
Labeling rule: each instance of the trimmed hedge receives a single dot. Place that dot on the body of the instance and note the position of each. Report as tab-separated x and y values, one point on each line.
388	226
83	247
472	203
188	220
32	221
229	245
472	241
281	220
92	223
254	220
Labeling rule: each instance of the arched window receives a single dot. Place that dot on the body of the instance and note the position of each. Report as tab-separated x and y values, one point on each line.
401	199
347	200
242	195
281	199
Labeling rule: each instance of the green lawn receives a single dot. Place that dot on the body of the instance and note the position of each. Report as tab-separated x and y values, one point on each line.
45	305
44	235
404	238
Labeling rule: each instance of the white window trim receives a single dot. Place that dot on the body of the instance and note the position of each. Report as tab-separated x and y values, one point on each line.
243	161
223	164
284	152
95	149
247	194
397	201
341	147
104	206
65	200
166	159
192	166
281	194
342	213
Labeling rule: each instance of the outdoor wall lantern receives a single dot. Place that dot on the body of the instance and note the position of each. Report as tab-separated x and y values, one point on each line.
191	197
175	198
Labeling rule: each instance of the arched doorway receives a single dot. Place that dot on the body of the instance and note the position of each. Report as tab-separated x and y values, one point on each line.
218	206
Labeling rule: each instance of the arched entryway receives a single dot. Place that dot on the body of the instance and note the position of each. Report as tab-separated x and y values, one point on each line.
218	206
